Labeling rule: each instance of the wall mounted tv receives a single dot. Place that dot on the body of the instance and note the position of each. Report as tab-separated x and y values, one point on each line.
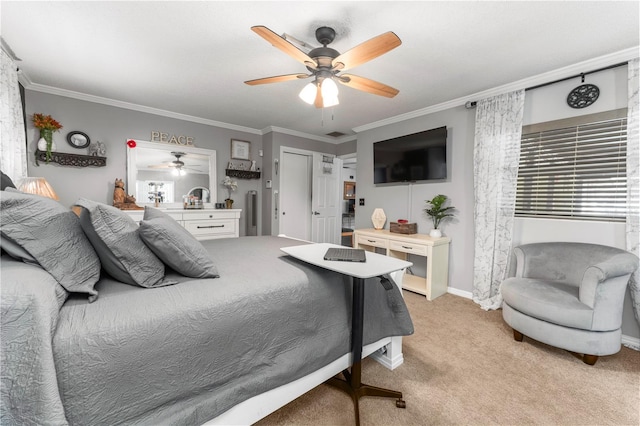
417	157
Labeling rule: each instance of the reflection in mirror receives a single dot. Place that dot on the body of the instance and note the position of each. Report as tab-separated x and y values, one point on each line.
170	172
200	193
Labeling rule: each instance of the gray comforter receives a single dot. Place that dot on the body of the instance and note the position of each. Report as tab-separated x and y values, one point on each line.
181	354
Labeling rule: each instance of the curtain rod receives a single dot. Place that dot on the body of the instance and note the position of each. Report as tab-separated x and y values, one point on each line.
472	104
577	75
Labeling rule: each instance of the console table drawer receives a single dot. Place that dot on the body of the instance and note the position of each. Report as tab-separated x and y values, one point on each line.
408	247
201	228
372	241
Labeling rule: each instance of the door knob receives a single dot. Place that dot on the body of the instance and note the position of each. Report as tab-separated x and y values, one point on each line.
316	213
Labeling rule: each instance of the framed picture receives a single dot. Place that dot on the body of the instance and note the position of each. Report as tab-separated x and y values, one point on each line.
240	150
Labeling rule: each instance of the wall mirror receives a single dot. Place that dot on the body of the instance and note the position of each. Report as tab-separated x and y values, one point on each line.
172	171
349	191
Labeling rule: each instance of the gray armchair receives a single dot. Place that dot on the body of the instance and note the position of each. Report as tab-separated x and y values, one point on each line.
568	295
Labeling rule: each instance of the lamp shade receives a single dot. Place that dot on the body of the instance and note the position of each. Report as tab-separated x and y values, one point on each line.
308	93
329	88
38	186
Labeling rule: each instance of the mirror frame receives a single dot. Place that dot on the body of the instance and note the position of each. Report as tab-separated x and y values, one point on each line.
132	156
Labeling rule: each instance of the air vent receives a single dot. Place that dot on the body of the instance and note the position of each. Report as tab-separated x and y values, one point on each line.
335	134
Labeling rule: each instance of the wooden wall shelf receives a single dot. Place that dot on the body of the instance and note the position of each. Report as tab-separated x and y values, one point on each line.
242	174
66	159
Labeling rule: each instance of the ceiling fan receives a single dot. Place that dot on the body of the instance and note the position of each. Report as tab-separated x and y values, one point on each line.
178	165
325	65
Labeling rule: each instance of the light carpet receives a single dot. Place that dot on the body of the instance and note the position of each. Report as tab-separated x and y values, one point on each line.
463	367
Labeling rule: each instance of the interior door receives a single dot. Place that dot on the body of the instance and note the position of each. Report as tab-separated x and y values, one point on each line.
295	195
325	199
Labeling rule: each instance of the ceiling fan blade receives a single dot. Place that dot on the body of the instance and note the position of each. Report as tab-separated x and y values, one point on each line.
367	85
282	44
367	51
276	79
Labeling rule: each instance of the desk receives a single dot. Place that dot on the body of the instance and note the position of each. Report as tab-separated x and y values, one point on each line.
436	250
375	265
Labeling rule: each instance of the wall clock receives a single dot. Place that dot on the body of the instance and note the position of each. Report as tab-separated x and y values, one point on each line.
583	96
78	139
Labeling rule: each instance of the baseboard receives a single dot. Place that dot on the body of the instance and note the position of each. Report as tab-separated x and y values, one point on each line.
628	341
631	342
461	293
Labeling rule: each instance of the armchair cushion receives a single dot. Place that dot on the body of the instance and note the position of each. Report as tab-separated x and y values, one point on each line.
549	301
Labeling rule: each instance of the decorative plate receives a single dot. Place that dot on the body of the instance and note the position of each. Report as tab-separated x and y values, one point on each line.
78	139
583	96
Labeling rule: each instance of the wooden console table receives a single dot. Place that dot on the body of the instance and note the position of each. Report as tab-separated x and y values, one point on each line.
436	250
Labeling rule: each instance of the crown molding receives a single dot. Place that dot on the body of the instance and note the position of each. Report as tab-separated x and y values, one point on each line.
336	141
135	107
595	63
602	61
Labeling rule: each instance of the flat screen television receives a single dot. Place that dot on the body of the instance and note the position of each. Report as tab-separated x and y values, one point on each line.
417	157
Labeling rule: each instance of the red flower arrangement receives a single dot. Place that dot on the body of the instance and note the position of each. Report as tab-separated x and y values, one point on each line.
131	143
47	126
41	121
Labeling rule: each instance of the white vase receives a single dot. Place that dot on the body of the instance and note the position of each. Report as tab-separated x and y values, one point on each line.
42	145
378	218
435	233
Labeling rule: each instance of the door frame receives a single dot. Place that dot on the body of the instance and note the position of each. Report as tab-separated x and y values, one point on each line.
300	151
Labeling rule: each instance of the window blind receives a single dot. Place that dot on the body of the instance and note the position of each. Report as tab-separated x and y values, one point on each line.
574	172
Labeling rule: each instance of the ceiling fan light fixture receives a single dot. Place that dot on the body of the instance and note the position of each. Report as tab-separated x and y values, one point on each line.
329	89
178	172
329	102
308	93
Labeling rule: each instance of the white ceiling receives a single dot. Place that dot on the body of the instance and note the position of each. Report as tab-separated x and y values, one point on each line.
192	58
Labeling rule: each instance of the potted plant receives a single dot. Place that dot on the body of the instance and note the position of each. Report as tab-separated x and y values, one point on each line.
438	213
47	125
231	186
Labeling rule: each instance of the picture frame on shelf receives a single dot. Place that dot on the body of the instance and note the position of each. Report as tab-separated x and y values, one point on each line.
240	150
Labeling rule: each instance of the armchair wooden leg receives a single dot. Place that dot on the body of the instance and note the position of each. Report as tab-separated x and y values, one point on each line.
589	359
518	336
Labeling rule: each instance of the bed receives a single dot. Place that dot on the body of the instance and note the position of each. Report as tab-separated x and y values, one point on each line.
217	350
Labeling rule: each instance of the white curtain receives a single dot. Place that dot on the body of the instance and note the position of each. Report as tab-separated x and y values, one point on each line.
495	166
633	178
13	148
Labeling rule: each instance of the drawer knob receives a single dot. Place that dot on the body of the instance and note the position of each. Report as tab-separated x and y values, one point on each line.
210	226
407	247
210	216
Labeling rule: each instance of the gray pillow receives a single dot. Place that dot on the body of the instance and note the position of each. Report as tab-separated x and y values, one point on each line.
124	256
14	250
51	234
176	246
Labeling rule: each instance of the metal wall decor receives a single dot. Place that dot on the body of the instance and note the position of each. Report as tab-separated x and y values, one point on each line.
583	95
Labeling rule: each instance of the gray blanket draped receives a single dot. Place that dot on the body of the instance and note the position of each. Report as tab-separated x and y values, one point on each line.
186	353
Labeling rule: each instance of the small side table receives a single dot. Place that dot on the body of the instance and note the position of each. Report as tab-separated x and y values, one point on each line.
375	265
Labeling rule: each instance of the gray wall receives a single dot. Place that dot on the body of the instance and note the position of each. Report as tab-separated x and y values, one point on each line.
114	126
407	201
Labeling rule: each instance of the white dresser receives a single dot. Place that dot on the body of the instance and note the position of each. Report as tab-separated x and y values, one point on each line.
436	250
204	224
